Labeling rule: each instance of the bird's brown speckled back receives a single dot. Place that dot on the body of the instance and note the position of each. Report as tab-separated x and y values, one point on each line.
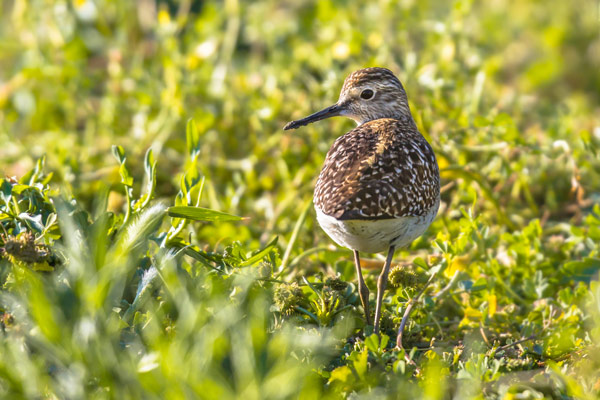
381	169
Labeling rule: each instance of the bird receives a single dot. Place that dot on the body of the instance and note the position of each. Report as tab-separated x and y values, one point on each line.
379	188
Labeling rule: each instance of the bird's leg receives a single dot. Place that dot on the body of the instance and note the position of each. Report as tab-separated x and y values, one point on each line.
381	284
363	290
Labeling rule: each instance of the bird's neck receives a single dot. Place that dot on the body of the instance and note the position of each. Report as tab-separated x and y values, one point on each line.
401	114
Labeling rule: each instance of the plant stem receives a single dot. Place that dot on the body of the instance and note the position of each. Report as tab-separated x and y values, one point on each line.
409	308
294	237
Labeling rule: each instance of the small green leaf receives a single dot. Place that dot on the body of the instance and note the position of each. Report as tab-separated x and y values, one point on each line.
126	178
200	214
372	343
19	188
150	168
384	341
119	153
360	364
419	262
260	254
5	191
193	139
149	162
192	182
343	374
33	221
38	170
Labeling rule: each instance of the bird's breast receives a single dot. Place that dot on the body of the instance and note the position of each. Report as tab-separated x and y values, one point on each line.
376	236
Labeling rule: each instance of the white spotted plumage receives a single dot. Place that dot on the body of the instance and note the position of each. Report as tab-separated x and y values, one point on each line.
383	169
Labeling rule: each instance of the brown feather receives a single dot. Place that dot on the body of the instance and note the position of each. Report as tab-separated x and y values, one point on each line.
382	169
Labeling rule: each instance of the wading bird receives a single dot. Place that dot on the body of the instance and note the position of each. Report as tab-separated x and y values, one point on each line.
379	188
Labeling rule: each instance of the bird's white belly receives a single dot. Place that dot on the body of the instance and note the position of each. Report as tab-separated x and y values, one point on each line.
375	236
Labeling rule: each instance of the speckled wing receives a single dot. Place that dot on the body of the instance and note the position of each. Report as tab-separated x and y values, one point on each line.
382	169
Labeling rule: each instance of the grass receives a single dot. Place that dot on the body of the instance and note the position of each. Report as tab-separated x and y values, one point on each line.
158	238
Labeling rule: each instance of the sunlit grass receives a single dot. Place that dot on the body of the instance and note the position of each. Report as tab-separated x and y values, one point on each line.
158	239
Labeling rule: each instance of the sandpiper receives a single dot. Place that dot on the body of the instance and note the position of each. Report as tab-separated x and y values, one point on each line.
379	188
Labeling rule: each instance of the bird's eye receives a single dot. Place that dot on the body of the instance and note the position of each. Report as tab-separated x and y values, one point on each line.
366	94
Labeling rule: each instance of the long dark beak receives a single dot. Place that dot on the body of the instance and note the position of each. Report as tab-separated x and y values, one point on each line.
332	111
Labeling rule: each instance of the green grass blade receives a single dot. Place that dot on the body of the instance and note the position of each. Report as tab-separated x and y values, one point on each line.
200	214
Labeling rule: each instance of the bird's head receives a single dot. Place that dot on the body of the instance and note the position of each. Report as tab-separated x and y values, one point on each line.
367	94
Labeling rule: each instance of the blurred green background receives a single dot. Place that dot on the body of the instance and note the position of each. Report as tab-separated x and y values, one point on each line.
507	93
